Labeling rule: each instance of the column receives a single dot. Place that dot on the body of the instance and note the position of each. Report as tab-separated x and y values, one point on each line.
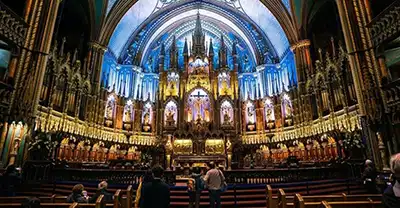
41	16
354	15
3	139
301	51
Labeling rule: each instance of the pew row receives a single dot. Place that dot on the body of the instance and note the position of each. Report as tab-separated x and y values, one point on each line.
284	201
353	204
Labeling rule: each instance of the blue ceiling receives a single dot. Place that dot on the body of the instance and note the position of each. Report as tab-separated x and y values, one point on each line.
247	21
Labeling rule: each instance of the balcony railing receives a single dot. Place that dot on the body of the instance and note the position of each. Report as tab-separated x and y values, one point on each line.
386	26
12	26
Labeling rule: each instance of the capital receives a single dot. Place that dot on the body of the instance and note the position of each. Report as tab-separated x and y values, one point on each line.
97	46
300	44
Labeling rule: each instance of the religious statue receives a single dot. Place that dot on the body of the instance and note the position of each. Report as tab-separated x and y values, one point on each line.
146	118
227	118
128	115
170	117
172	88
224	89
189	114
207	115
250	114
288	109
269	115
109	111
197	105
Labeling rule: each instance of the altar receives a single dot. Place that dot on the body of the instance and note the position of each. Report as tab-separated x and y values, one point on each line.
198	153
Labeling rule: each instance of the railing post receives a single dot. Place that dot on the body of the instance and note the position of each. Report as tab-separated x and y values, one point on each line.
308	190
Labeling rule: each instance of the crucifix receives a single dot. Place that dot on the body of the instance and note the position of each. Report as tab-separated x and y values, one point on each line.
198	103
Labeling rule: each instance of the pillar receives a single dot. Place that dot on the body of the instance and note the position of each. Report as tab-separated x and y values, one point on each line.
354	15
41	16
301	51
3	138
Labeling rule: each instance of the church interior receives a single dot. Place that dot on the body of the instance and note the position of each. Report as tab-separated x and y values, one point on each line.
273	91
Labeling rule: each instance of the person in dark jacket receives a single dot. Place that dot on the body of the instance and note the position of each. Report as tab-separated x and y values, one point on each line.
194	195
369	177
102	190
391	196
10	181
146	178
77	195
155	193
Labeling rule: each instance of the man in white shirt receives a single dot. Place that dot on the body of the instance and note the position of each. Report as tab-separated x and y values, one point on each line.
214	180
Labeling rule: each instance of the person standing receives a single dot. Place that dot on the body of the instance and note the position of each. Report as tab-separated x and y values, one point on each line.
155	193
148	177
391	196
196	186
11	180
369	177
214	180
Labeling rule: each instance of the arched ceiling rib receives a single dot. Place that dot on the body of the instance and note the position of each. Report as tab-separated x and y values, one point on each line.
255	10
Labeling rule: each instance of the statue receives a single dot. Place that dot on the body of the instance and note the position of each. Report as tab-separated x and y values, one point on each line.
227	118
197	105
170	116
224	90
207	115
109	111
288	109
189	114
147	118
172	88
269	115
250	114
128	115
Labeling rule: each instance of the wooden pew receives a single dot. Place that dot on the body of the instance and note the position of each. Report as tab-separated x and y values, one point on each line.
99	203
353	204
117	199
46	205
20	199
277	201
60	199
362	197
270	201
127	197
281	199
300	203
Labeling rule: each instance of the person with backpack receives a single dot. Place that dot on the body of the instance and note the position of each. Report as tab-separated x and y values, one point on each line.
195	187
215	182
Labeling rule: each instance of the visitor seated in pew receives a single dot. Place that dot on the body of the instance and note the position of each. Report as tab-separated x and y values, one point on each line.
9	181
102	190
391	196
77	195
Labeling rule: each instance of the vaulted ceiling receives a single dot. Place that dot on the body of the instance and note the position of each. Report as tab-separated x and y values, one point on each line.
249	22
